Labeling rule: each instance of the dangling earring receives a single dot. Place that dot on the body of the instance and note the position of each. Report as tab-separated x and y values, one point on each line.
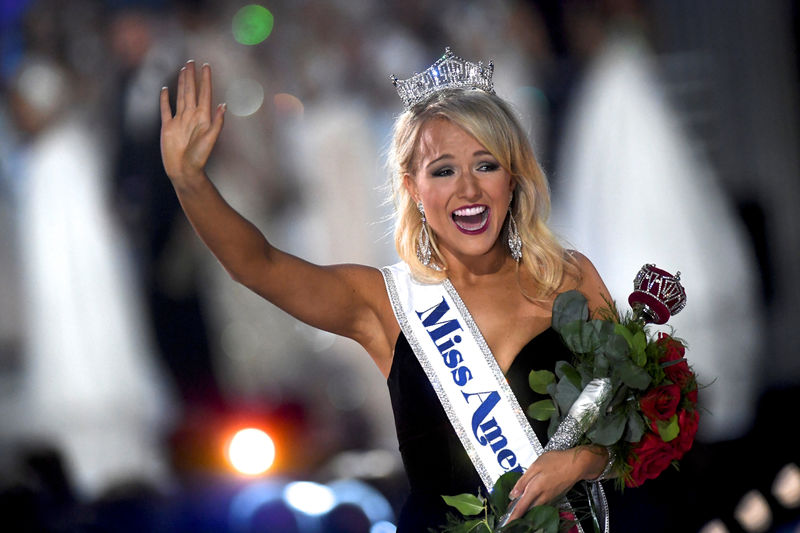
514	240
424	240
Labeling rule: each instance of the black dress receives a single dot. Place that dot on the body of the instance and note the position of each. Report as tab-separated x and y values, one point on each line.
434	459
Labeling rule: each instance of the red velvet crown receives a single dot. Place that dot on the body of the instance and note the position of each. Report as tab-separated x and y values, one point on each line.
657	294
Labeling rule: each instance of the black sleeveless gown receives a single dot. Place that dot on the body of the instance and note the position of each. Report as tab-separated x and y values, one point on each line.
434	459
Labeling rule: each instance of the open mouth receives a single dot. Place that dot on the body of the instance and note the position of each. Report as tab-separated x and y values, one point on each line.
471	219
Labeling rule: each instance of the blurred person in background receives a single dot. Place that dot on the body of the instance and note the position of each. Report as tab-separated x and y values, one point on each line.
457	200
91	388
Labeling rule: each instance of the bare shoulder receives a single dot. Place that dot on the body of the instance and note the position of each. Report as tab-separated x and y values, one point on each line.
589	282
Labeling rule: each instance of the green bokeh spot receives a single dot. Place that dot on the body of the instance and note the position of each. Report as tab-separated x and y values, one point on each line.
252	24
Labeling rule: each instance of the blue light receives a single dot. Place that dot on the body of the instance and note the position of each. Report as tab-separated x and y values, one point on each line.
309	498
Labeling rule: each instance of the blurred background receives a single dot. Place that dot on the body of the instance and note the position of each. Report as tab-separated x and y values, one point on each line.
129	360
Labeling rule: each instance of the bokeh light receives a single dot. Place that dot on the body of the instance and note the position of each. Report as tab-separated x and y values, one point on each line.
287	105
251	451
310	498
252	24
244	97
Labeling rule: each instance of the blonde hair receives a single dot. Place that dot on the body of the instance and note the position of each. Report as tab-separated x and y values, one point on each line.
492	123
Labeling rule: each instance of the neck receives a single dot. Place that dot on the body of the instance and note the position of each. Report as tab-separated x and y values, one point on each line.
468	270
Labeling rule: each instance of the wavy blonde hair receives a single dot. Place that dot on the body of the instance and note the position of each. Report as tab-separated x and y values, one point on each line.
490	120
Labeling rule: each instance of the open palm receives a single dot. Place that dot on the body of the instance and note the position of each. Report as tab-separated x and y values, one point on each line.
188	137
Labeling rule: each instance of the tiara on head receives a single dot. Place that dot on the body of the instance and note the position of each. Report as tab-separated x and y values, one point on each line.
448	72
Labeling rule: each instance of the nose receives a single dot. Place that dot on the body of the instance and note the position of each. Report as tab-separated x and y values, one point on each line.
468	186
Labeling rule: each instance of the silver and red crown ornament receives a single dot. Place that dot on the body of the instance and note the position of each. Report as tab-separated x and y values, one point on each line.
448	72
657	294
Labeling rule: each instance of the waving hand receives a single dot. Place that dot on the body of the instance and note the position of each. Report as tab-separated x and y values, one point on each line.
188	137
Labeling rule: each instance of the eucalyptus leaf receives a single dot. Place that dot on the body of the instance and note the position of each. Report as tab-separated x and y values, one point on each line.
668	429
601	366
589	336
635	428
633	376
553	427
542	410
569	306
566	370
619	397
466	504
616	347
571	334
608	429
540	379
566	394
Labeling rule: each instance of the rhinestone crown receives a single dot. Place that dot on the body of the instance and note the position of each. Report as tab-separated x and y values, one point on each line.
657	294
448	72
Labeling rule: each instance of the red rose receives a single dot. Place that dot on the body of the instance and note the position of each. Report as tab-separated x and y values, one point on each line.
687	421
649	458
568	518
692	396
661	402
673	361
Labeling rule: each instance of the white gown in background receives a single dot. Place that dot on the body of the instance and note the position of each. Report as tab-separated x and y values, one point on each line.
90	384
632	190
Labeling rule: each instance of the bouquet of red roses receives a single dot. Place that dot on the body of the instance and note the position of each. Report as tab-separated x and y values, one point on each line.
649	417
627	388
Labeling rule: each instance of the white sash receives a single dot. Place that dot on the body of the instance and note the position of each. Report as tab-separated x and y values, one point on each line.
471	387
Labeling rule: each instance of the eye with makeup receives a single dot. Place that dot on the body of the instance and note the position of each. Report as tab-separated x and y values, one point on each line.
442	172
487	166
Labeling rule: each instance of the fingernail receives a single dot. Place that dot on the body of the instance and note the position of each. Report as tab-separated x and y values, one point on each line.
206	65
223	106
164	88
514	494
190	61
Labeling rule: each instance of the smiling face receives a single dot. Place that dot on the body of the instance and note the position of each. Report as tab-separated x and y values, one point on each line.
463	189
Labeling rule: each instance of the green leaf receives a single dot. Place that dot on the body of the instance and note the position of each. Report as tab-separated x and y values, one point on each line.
566	394
668	429
608	429
585	337
476	525
620	329
551	429
569	306
498	499
466	504
541	410
635	428
633	376
540	379
571	334
616	348
601	366
566	370
542	517
639	345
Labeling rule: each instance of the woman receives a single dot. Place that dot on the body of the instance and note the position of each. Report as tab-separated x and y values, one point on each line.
463	173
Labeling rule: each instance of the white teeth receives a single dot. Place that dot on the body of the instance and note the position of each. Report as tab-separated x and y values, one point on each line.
469	211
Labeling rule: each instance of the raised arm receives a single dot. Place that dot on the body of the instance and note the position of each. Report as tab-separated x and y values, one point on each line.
348	300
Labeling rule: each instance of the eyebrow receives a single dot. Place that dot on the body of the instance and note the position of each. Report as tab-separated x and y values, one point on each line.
449	156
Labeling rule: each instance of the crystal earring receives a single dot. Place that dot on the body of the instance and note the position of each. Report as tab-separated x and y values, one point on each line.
514	240
424	240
